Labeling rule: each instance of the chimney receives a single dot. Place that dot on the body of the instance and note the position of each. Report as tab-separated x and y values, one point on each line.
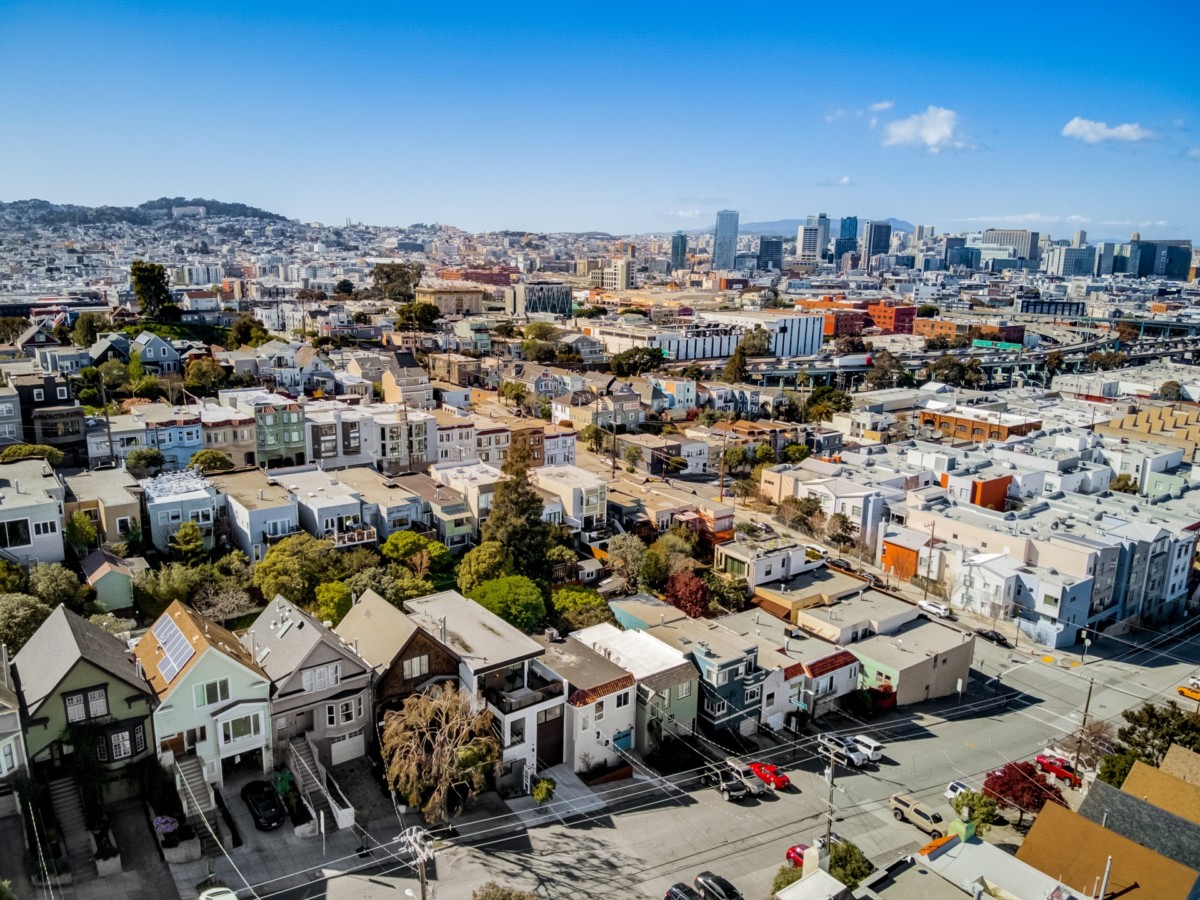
253	646
443	629
260	493
4	664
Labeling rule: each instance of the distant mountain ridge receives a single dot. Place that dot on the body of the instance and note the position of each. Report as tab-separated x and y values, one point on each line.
46	213
789	227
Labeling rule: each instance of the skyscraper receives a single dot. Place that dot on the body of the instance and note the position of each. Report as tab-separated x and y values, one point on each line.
808	245
1080	238
877	239
770	253
1025	242
849	227
725	239
678	251
822	222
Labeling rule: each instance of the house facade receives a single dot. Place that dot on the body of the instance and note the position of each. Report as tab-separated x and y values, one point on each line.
31	512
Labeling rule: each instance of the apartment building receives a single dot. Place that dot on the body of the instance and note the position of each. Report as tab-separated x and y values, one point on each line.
173	498
278	425
31	509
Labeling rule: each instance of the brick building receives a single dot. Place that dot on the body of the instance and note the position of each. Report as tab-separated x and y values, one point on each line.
892	319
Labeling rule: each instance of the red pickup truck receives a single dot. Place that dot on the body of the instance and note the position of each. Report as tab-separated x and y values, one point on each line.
1059	768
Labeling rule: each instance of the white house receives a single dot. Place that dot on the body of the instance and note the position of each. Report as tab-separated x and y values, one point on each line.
31	507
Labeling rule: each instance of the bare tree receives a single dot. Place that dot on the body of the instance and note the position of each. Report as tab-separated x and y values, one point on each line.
221	601
439	749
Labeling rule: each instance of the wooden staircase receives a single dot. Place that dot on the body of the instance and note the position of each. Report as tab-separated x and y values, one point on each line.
307	781
72	824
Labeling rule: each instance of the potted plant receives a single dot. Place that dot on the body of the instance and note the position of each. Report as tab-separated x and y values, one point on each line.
105	853
167	829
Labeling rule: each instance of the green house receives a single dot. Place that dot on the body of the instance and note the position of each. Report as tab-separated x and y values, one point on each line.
112	577
77	680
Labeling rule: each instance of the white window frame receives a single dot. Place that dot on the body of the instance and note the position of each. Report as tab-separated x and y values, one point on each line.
222	690
76	702
122	745
416	666
97	703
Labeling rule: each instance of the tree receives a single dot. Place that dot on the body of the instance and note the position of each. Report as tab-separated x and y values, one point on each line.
80	533
56	585
795	453
539	331
11	328
31	451
823	402
1124	484
688	593
514	598
397	281
579	607
333	601
848	864
1054	363
221	599
204	376
756	342
514	392
211	461
764	453
247	330
927	311
187	543
736	370
1115	767
345	286
114	374
979	806
849	343
494	891
515	521
114	625
12	578
140	463
486	562
359	559
1020	786
787	874
592	436
294	567
439	750
669	554
20	616
1170	390
156	589
504	330
543	791
626	553
840	530
887	371
87	329
405	546
736	458
1151	729
633	454
150	286
635	361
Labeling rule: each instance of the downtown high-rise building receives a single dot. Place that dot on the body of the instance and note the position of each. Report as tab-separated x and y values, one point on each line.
678	251
725	239
770	253
808	245
1025	244
877	240
848	227
821	221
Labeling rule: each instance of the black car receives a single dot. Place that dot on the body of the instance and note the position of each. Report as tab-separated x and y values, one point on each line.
681	891
714	887
265	806
993	637
836	563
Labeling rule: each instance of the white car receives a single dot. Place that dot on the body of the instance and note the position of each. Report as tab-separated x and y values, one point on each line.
869	746
954	788
844	750
941	610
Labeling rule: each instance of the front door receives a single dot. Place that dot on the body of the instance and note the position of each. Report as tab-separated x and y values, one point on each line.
550	737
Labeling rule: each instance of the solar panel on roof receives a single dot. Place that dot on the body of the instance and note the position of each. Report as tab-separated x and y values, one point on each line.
176	648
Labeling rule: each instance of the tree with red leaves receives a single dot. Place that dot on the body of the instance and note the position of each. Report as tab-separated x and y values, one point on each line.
1021	786
688	593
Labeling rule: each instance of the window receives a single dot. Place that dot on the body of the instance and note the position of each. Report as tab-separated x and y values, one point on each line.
753	694
101	748
97	703
770	701
416	667
123	525
516	732
1050	600
322	677
358	704
683	690
8	759
75	710
44	528
15	533
715	707
240	728
549	715
62	393
599	710
347	711
622	701
122	746
330	715
723	677
139	739
39	394
211	692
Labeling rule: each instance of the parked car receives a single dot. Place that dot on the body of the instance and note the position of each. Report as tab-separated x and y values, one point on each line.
1194	681
941	610
681	891
834	562
795	855
906	808
869	746
714	887
844	750
265	806
1059	768
993	637
728	784
813	548
218	893
771	776
954	788
1189	693
754	787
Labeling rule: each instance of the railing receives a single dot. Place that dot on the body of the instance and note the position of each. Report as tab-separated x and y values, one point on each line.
276	538
513	701
354	536
343	812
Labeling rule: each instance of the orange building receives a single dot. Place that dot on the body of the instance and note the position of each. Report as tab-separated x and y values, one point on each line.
990	493
844	321
901	553
893	319
978	425
945	328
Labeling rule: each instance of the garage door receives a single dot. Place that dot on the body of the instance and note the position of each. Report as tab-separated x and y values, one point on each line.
347	747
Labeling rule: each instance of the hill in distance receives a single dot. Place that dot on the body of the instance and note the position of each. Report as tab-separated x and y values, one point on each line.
46	213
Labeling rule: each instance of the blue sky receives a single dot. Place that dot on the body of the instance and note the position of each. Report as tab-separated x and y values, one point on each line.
622	118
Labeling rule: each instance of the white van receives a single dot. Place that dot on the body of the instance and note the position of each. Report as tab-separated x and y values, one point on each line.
869	746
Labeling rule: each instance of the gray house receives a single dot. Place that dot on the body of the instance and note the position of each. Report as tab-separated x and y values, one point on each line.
257	511
10	415
177	497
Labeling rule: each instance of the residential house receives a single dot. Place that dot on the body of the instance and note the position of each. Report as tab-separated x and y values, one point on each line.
589	350
760	562
214	703
230	430
405	659
452	298
328	508
1176	837
111	577
408	384
584	496
680	393
667	688
254	511
388	504
175	431
159	357
492	440
109	345
600	708
78	682
621	408
505	666
444	510
456	439
278	426
475	483
111	498
31	512
336	435
111	439
13	765
35	337
10	416
321	702
558	445
454	368
50	414
173	498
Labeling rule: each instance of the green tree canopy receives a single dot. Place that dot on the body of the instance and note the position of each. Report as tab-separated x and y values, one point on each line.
56	585
796	453
11	328
155	589
515	521
848	864
20	616
486	562
539	331
204	376
150	286
579	607
417	316
1170	390
514	598
927	311
32	451
1151	729
345	286
736	370
979	806
787	874
635	361
669	554
294	567
247	330
211	461
494	891
114	374
626	554
87	329
404	546
397	281
187	543
143	461
332	602
12	578
80	533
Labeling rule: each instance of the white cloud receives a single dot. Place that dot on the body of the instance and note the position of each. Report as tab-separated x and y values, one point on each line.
835	116
881	106
873	122
687	214
1029	218
934	129
830	181
1096	132
1193	153
1079	220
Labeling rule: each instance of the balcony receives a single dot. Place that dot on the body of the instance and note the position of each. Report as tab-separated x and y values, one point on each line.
278	536
510	699
352	537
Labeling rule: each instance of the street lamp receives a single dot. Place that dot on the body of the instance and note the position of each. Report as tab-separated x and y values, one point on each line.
1087	642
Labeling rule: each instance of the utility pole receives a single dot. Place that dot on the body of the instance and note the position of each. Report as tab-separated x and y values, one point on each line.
829	804
721	477
1079	737
929	561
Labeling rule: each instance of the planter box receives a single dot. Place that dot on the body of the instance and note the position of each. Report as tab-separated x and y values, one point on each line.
184	851
109	866
310	828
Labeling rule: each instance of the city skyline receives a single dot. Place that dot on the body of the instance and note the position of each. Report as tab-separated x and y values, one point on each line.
490	120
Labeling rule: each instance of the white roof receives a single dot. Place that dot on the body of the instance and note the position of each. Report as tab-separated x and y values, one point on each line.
635	651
